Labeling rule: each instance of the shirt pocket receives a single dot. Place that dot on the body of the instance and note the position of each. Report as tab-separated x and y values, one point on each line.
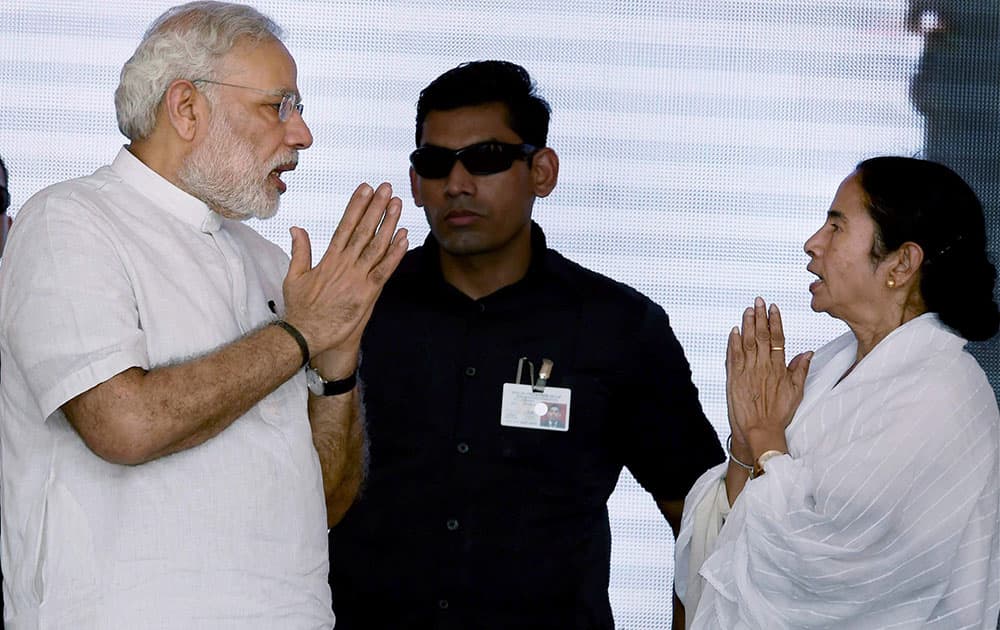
573	463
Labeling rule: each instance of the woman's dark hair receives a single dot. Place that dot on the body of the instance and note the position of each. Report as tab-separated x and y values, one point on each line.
482	82
929	204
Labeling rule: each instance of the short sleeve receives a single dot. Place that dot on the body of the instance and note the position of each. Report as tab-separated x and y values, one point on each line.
668	441
68	313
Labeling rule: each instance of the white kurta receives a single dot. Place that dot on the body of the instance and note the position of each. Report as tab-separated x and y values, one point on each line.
885	513
122	269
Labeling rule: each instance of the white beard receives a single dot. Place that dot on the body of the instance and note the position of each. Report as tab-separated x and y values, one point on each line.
224	173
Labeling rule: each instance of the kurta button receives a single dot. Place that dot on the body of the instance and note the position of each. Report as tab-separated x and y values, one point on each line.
482	307
470	371
463	448
452	524
443	604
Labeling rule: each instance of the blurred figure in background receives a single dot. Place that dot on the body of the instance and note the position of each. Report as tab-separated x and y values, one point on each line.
5	220
5	223
955	87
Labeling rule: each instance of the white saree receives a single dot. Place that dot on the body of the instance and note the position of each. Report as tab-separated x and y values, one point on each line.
885	513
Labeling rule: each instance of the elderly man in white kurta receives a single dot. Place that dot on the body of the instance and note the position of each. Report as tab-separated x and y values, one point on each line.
162	463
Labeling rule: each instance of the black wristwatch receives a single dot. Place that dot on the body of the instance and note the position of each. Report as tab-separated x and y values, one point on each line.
321	387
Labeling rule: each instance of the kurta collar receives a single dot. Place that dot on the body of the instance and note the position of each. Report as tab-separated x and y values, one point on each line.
165	195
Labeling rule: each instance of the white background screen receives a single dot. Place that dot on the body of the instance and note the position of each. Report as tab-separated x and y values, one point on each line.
701	142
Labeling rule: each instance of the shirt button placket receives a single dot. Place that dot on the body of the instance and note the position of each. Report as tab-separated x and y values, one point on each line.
462	448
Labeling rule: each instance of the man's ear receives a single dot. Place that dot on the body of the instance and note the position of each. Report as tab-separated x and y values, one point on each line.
906	261
544	171
418	199
184	108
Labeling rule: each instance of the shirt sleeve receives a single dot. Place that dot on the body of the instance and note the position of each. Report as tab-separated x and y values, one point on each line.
669	442
69	313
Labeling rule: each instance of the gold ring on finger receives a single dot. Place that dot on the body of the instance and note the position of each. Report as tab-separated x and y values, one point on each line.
777	348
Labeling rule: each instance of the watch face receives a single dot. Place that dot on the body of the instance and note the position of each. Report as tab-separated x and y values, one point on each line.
314	382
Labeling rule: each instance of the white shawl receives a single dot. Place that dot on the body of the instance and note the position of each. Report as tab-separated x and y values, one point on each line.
885	513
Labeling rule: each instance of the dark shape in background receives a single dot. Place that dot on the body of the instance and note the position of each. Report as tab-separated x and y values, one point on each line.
957	89
4	205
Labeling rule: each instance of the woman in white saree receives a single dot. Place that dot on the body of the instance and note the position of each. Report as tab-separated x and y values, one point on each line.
863	485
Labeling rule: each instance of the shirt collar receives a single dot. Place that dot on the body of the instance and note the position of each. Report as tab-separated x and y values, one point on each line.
427	264
165	195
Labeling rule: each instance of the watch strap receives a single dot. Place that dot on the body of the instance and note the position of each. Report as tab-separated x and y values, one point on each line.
339	386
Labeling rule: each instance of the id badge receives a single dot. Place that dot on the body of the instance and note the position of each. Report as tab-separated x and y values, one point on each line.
523	407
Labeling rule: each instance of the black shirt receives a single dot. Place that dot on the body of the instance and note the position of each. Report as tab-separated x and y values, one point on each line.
464	523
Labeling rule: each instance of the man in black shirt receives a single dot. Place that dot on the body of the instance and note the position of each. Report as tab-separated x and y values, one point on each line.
505	387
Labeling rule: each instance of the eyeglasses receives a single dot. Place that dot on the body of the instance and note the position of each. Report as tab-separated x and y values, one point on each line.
482	158
289	100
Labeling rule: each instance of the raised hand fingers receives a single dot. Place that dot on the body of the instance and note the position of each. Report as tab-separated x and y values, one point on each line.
799	368
366	229
777	343
356	207
380	205
301	252
329	302
378	244
390	260
761	331
762	393
735	357
747	337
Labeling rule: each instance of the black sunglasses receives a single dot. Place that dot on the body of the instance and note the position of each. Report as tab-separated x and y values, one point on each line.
482	158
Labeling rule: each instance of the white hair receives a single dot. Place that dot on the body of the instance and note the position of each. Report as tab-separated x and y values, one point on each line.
186	42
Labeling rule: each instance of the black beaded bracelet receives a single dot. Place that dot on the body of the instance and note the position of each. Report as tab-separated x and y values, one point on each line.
297	336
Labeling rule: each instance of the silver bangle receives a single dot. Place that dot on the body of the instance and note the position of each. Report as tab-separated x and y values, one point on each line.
729	451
